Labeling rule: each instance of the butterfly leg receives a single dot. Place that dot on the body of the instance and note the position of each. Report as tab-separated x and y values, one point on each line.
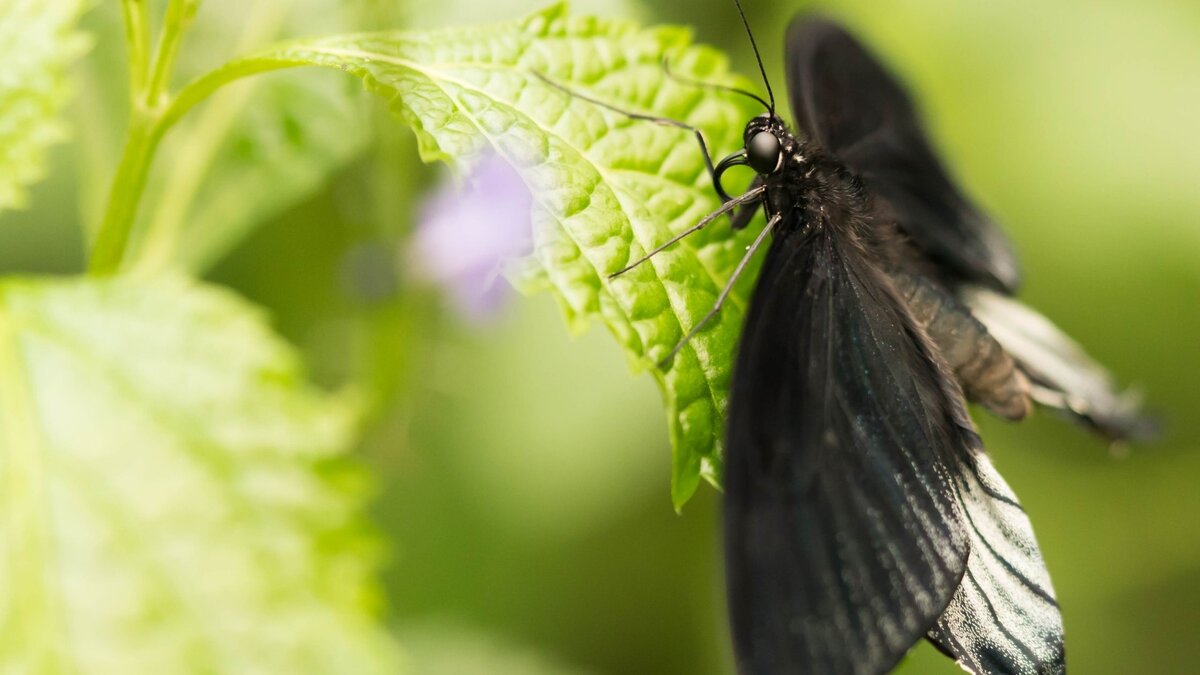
750	197
745	213
737	272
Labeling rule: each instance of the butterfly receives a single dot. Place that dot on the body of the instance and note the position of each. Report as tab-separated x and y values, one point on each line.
861	512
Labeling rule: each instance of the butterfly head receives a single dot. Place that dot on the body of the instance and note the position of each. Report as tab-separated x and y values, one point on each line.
766	145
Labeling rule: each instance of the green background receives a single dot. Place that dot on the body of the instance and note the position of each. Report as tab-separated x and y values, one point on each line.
522	476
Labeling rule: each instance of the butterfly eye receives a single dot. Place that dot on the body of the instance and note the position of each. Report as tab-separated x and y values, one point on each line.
764	152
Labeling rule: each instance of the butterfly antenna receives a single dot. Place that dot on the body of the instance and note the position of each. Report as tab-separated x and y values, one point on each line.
666	64
754	46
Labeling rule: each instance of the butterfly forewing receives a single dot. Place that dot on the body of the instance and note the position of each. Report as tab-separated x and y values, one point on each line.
843	99
843	535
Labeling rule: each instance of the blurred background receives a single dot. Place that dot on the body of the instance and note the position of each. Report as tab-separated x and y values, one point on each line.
523	476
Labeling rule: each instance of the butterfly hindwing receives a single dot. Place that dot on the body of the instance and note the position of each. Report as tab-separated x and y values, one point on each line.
1067	379
1004	618
845	100
843	530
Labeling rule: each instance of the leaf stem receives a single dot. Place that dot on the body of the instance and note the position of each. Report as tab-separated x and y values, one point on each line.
203	87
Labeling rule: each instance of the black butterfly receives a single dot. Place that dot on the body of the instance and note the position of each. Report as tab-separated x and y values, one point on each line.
861	512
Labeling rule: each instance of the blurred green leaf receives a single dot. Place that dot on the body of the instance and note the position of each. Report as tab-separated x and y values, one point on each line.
606	188
38	41
175	498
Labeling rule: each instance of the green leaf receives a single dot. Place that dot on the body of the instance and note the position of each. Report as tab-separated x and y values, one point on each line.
606	188
175	497
38	41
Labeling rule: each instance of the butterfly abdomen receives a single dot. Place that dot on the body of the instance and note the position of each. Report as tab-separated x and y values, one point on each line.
987	374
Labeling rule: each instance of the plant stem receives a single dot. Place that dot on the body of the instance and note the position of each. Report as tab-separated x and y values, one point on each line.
137	42
157	245
145	131
152	113
150	100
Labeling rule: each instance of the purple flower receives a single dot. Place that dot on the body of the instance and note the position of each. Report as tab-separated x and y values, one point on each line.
465	233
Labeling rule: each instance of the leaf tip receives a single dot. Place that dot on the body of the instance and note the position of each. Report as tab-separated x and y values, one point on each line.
685	480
